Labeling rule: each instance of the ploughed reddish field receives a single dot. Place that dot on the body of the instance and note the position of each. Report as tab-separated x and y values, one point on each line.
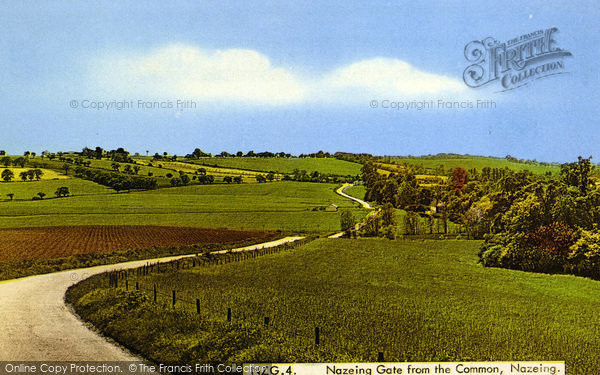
55	242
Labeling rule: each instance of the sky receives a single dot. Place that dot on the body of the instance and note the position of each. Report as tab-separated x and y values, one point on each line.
297	77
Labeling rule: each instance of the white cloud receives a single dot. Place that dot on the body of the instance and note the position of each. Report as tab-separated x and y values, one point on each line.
180	71
389	77
241	75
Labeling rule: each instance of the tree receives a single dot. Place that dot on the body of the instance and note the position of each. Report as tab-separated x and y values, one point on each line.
176	181
201	171
185	179
10	195
6	161
407	194
388	215
66	167
577	174
7	175
270	176
227	179
411	223
62	191
347	220
136	169
41	195
260	178
238	179
38	173
199	153
459	179
115	166
20	161
473	219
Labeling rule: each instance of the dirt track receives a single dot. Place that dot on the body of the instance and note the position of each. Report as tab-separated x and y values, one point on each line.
366	205
37	325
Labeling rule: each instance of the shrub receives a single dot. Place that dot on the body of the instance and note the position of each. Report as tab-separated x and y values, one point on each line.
584	255
555	238
389	231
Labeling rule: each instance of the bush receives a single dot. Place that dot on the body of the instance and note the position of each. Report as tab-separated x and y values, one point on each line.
389	232
555	238
584	255
546	249
516	252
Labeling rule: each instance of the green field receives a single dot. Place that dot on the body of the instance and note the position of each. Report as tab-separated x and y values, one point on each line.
411	300
286	165
287	206
473	162
26	190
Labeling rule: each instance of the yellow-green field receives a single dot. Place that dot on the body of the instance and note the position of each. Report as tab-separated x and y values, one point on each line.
248	176
48	174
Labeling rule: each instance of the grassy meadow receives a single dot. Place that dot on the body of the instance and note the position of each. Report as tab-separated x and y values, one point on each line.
411	300
29	189
286	206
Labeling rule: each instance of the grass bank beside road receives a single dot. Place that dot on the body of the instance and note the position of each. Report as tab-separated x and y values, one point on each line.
411	300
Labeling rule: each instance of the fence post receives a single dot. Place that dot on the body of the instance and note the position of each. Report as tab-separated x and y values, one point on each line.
137	285
317	338
173	298
197	306
380	357
154	292
229	314
126	284
267	321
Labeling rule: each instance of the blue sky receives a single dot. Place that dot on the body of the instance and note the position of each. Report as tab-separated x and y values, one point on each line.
294	77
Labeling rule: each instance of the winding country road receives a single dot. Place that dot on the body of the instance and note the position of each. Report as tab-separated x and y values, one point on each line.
366	205
37	325
340	191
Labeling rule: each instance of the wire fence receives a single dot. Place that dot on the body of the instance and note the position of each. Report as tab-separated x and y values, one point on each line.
121	278
131	280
